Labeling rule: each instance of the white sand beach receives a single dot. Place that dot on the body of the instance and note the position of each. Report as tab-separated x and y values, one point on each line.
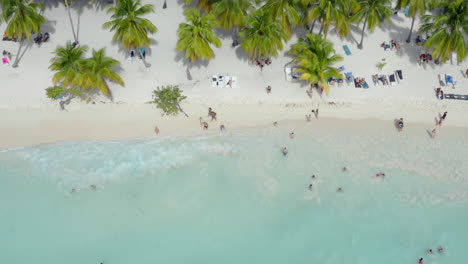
29	117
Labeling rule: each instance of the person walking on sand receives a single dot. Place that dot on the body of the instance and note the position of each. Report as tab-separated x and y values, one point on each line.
433	133
222	128
291	135
210	111
213	116
268	89
442	118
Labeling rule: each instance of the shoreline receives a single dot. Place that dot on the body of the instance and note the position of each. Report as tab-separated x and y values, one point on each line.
22	127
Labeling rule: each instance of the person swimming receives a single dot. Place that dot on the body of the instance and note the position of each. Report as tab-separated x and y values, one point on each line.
285	151
313	177
380	175
310	186
440	249
339	189
429	251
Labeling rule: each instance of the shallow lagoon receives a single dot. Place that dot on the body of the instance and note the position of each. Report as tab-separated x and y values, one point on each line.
234	198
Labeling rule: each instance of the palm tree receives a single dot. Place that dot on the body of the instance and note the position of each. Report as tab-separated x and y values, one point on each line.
263	35
415	7
195	37
285	11
68	62
131	30
314	57
97	70
232	13
334	12
202	4
373	12
23	18
447	30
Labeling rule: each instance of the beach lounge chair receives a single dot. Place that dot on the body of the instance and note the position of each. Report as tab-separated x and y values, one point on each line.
399	74
221	82
365	85
288	73
392	79
347	50
342	69
349	77
5	61
227	81
331	81
375	79
407	14
441	80
234	82
449	79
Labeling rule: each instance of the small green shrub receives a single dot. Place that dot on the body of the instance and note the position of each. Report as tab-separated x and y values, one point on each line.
167	98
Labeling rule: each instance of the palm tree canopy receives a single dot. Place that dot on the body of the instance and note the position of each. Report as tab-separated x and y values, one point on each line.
232	13
97	69
314	57
23	18
263	35
415	6
196	36
285	11
334	12
374	12
447	30
68	62
202	4
131	30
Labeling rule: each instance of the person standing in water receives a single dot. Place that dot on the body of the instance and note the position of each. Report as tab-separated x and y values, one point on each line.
285	151
420	261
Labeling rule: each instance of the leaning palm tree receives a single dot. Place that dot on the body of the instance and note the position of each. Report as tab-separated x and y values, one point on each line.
263	35
314	58
373	13
415	7
131	30
68	64
196	36
333	12
285	11
448	30
97	70
23	18
232	13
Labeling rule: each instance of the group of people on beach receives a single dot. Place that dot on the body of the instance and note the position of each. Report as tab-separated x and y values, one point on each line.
393	45
262	62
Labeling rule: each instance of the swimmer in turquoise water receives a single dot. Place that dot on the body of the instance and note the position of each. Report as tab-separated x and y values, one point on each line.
420	261
441	249
429	251
285	151
310	186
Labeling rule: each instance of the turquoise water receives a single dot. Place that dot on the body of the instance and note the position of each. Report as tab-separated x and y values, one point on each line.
234	198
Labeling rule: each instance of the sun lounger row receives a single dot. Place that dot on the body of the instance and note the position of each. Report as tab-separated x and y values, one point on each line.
390	79
456	96
224	81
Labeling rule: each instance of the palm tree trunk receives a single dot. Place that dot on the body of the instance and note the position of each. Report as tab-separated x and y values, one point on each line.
362	35
313	25
181	110
15	64
147	65
411	30
71	21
